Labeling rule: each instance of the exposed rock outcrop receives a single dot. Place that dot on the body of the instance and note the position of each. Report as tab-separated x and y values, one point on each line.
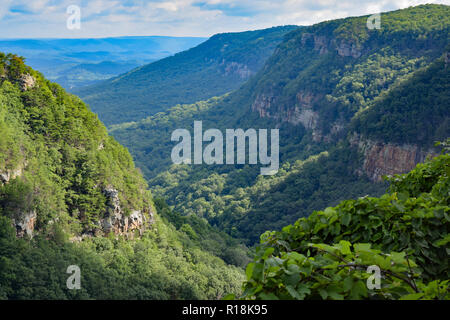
301	113
336	128
323	44
25	224
305	99
348	49
319	43
114	221
262	104
240	69
27	81
307	117
7	175
387	158
117	222
302	110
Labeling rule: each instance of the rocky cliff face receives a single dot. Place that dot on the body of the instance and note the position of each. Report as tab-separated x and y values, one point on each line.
117	222
388	159
25	224
323	44
239	69
302	110
27	82
9	174
301	113
114	220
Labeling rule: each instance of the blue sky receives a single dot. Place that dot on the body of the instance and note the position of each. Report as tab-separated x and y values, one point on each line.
106	18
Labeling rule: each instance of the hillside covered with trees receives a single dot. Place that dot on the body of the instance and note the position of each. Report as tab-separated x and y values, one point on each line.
58	169
216	66
391	90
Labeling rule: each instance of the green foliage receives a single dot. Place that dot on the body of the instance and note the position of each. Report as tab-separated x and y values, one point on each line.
56	159
245	206
16	197
341	67
61	151
156	266
404	233
400	115
63	158
201	234
337	272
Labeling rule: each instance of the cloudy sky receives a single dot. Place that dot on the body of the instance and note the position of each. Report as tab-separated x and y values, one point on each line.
106	18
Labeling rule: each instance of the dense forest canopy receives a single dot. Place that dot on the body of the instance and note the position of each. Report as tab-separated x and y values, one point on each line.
56	161
394	90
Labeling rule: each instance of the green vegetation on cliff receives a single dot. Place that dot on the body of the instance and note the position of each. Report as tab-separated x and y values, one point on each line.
56	164
63	156
399	116
322	85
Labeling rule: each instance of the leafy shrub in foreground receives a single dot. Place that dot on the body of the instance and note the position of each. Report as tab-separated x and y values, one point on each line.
404	233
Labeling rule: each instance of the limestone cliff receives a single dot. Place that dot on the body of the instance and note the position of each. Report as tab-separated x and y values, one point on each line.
303	109
27	81
117	222
9	174
25	224
59	168
323	44
232	67
301	113
387	158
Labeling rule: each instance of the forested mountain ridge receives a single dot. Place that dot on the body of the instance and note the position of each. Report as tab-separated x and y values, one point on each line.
71	195
351	104
322	75
216	66
45	148
392	133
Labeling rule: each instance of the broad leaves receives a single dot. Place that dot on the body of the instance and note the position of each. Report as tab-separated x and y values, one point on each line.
404	233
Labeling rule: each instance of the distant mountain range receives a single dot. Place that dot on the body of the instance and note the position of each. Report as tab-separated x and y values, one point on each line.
79	62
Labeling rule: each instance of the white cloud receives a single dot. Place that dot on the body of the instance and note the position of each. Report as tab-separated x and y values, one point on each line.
4	7
169	6
100	18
